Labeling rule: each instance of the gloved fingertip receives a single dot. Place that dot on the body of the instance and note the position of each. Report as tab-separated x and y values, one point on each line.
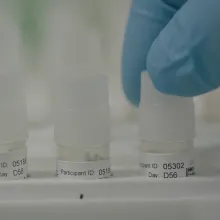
131	89
176	75
183	59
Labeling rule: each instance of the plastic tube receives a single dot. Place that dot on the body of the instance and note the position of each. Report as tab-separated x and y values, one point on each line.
13	128
167	131
13	114
82	130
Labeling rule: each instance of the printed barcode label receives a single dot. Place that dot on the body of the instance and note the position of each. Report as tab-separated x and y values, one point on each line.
84	170
167	166
13	165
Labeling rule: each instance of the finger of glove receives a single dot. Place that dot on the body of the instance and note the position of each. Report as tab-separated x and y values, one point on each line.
147	18
184	60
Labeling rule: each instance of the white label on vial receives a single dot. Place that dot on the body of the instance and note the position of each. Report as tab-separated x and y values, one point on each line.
167	166
84	170
13	165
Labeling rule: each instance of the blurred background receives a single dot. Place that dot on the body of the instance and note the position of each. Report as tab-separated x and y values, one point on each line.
59	36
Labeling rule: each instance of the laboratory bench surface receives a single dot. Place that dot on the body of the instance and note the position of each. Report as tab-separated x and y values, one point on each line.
123	196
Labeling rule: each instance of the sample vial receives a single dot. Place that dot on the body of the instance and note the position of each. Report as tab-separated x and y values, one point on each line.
13	114
167	131
13	128
82	131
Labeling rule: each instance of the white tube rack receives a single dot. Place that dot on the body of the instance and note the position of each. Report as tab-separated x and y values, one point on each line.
125	195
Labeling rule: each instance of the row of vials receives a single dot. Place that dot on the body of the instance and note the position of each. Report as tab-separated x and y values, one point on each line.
82	129
82	113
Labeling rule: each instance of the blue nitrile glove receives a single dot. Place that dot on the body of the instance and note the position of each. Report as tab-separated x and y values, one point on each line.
177	41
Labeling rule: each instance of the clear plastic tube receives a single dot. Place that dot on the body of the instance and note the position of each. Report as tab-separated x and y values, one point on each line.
13	112
167	130
82	131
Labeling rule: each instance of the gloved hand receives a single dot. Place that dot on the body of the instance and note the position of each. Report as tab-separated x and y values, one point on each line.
177	42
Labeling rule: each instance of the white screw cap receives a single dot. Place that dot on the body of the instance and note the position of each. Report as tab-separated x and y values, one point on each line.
81	111
164	117
13	114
